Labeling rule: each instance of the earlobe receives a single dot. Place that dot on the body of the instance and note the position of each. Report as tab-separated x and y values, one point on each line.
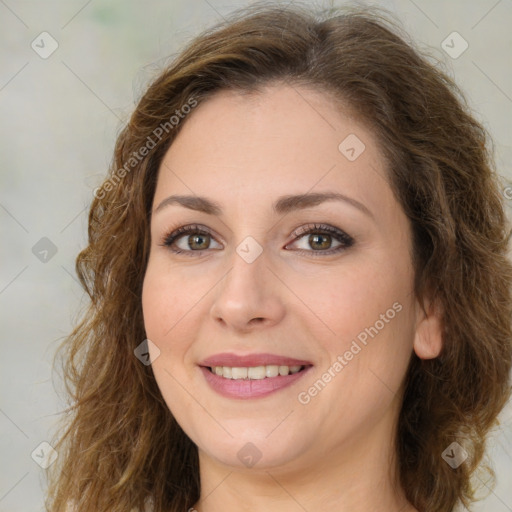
428	338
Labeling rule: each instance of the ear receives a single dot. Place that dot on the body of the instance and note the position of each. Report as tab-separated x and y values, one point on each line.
428	338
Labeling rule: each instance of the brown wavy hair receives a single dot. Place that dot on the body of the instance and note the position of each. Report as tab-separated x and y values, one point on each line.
119	446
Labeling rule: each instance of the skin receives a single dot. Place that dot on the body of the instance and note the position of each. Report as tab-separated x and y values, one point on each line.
336	452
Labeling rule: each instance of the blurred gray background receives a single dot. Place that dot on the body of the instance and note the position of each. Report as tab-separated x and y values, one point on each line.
70	74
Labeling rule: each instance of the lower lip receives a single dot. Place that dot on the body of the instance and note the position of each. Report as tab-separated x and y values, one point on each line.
248	388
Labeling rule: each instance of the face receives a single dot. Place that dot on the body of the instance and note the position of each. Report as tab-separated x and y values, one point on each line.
281	320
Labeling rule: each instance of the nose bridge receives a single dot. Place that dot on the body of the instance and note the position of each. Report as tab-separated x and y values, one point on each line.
247	261
245	281
246	292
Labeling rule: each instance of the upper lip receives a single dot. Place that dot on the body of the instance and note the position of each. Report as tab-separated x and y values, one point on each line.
248	360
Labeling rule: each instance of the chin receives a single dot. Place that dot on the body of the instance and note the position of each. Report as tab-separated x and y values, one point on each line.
255	448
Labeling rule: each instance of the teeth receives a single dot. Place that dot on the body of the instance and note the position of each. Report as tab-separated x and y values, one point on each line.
254	372
236	373
272	370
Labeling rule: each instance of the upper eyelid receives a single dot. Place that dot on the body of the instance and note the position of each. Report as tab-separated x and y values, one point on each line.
298	233
304	229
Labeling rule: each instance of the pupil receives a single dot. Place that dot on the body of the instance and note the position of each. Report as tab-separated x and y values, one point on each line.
314	240
198	239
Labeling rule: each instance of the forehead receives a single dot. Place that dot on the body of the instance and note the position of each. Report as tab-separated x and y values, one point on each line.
283	140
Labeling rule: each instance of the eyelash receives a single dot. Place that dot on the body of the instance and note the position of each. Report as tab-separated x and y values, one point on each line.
322	229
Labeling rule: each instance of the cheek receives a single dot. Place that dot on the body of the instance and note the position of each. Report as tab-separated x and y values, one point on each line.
367	320
167	309
157	305
347	302
169	297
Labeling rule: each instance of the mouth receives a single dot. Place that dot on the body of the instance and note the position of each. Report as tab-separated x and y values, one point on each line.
252	376
255	372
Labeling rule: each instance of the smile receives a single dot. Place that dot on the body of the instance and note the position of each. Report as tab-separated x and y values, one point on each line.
251	376
255	372
246	376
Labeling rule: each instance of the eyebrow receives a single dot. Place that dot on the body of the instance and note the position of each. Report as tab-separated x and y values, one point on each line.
283	205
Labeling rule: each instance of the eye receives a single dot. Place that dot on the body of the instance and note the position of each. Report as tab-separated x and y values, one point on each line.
320	238
189	239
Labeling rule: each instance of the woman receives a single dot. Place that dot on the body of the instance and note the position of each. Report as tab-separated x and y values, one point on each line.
300	296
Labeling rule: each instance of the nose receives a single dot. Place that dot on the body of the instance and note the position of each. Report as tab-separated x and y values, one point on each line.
249	297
